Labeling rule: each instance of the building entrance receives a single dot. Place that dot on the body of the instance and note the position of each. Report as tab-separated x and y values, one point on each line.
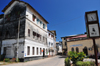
43	52
0	50
85	50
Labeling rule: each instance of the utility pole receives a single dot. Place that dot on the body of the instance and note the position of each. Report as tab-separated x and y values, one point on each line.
18	36
95	51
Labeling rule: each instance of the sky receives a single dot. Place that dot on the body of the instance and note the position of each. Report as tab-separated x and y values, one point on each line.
67	17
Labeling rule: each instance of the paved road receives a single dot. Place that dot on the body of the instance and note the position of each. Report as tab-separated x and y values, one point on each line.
51	61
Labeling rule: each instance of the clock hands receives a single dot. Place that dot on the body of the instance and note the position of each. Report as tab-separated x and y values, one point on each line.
92	18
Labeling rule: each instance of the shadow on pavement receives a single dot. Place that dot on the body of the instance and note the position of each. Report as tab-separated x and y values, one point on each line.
62	56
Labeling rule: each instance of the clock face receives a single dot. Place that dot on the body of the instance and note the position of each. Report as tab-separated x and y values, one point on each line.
92	17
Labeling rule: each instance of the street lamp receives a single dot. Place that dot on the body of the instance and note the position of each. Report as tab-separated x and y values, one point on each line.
18	36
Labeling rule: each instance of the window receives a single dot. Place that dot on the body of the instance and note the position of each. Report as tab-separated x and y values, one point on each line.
34	34
52	36
29	32
43	38
38	20
65	44
46	51
43	26
49	43
49	34
40	37
40	23
7	34
37	51
40	51
33	50
52	44
34	17
77	50
46	40
72	49
28	50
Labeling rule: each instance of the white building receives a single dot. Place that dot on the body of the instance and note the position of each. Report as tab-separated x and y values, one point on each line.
33	32
59	47
51	42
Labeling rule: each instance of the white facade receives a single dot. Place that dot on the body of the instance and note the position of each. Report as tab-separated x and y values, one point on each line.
51	43
30	45
32	41
59	47
11	45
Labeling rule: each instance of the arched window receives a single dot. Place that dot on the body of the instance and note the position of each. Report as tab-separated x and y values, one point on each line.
77	49
72	49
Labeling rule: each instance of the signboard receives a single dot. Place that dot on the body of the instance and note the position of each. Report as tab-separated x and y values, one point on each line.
93	30
92	24
76	45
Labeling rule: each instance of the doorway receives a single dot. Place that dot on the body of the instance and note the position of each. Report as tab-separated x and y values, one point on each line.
4	50
43	52
85	50
0	50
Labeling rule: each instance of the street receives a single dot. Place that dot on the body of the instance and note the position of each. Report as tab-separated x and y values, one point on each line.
51	61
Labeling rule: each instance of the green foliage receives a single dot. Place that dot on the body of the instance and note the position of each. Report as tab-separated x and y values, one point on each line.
74	56
88	63
79	63
92	63
7	60
67	62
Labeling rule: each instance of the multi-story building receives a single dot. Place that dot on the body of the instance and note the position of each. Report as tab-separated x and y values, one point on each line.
80	43
32	32
64	46
59	47
51	42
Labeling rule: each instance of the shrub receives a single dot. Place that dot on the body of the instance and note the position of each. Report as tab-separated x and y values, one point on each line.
67	62
92	63
6	59
74	56
79	63
88	63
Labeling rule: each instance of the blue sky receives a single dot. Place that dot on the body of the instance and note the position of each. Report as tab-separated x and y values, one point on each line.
64	16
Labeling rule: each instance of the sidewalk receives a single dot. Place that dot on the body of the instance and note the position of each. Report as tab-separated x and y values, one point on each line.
1	63
25	63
